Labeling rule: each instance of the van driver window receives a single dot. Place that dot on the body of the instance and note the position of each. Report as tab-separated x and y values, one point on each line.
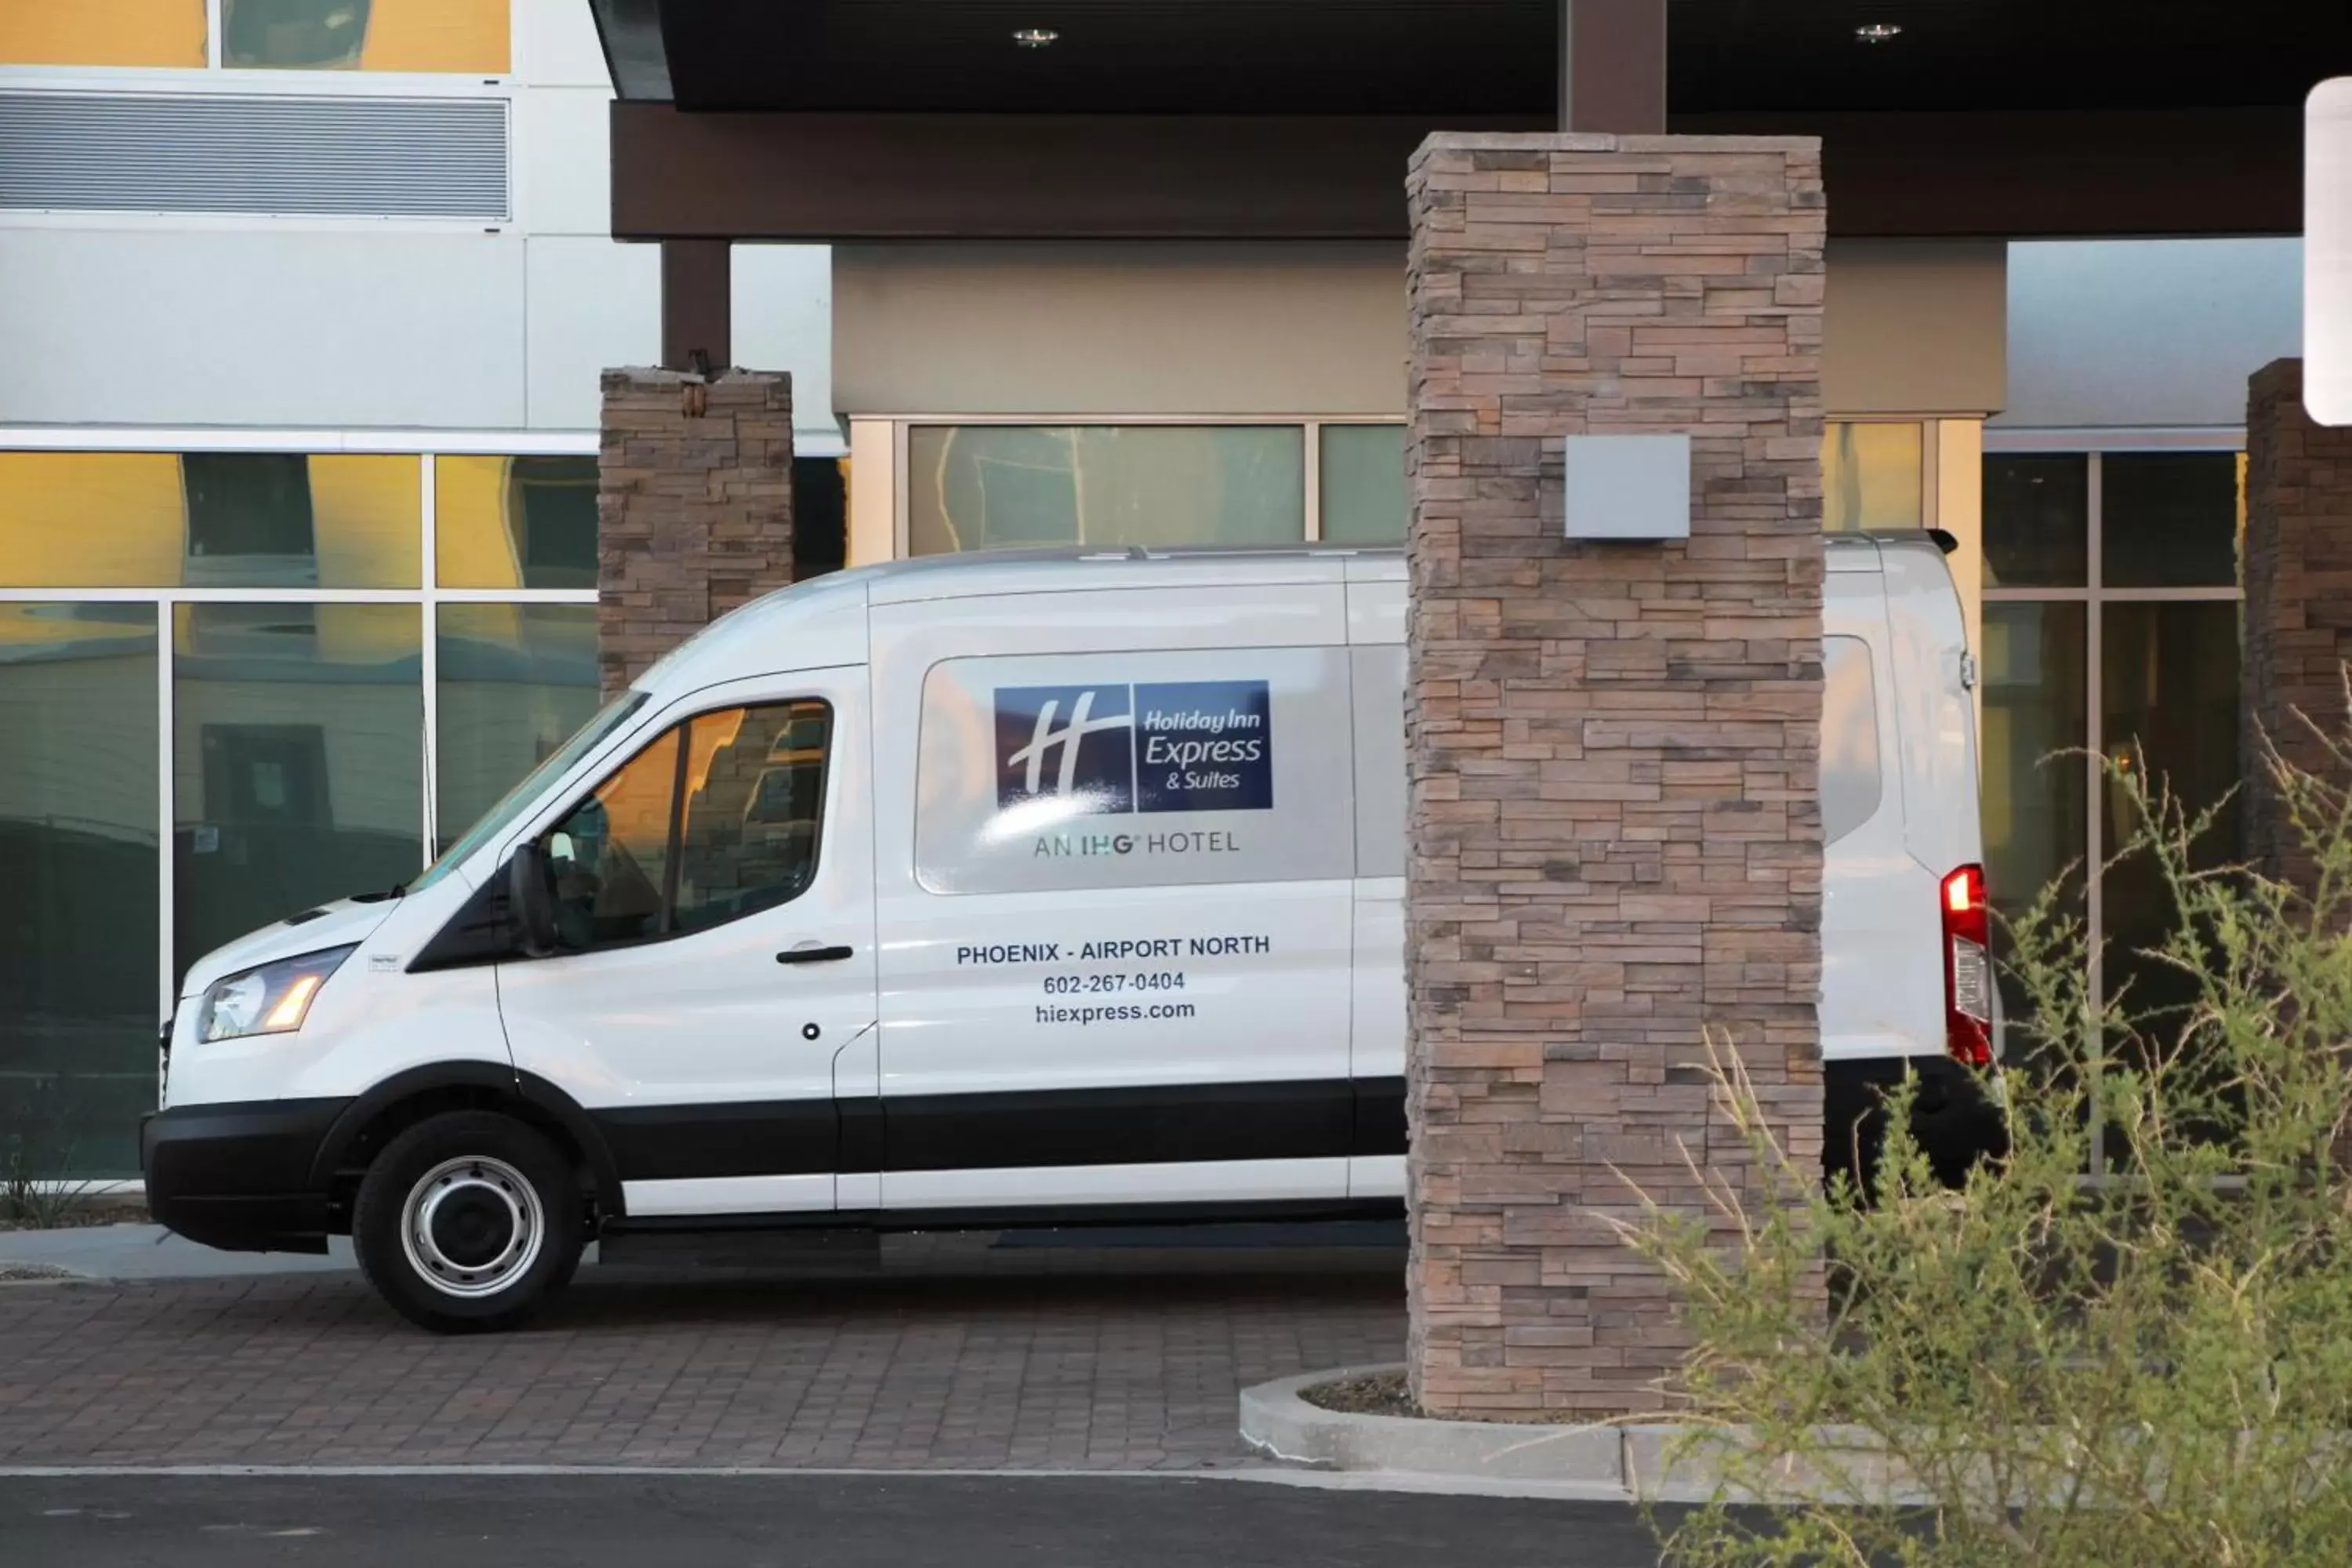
716	820
610	858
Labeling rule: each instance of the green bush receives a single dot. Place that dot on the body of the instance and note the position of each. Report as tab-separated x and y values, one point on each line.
2146	1369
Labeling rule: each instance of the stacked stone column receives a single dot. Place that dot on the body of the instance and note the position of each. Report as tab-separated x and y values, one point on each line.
694	506
1615	826
2297	567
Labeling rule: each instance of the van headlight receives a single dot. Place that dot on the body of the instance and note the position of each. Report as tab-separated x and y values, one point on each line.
271	1000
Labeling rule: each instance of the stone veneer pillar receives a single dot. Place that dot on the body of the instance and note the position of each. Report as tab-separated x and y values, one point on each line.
694	506
1615	835
2297	569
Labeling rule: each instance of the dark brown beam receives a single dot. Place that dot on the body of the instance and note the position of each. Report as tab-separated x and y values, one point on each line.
697	302
2051	175
1612	66
1016	176
825	177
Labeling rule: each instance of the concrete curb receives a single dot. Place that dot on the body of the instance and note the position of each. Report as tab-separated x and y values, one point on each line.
1277	1423
1618	1461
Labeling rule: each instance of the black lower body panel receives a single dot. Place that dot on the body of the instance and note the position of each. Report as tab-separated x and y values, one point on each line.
1953	1116
237	1176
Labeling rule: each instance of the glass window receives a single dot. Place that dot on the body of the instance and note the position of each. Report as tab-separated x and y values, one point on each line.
1364	497
297	761
526	792
515	522
366	34
213	520
78	1002
2168	713
754	798
611	857
514	681
2037	516
2035	806
91	520
1874	477
2170	520
753	785
169	33
983	487
1849	772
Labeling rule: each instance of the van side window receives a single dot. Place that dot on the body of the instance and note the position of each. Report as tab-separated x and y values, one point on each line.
754	793
715	820
1850	781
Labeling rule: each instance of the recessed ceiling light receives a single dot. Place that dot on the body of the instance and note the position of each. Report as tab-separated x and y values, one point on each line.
1035	37
1877	32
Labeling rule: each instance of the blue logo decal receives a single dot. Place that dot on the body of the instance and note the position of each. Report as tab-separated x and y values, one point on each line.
1204	745
1194	745
1066	741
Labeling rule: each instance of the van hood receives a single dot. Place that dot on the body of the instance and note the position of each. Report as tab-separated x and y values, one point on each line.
339	924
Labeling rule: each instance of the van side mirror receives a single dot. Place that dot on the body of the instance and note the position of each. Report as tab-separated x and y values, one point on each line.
530	901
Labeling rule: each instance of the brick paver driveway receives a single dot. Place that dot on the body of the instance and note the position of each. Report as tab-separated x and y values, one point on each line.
954	1353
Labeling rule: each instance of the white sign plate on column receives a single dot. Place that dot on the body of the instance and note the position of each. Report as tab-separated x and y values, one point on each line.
2327	253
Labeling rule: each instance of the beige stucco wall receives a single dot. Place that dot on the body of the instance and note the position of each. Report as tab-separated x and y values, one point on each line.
1911	326
1915	327
1119	329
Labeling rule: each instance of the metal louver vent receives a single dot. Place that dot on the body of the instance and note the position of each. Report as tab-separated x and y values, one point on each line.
183	152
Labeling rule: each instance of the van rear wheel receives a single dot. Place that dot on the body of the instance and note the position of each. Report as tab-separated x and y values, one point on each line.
467	1221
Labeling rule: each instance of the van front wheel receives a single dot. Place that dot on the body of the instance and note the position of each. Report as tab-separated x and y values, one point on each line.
467	1221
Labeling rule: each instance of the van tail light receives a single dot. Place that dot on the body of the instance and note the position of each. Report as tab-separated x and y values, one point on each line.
1967	968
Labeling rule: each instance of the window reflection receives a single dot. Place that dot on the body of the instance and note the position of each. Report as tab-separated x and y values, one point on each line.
2170	520
366	35
515	522
1364	493
986	487
2169	715
209	520
2037	510
1874	477
156	33
516	682
78	1006
297	761
610	858
1850	780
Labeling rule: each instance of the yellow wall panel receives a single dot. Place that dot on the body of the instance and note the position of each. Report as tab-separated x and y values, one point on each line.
438	35
103	32
91	520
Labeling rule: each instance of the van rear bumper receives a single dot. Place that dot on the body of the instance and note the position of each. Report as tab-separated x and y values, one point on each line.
237	1176
1954	1116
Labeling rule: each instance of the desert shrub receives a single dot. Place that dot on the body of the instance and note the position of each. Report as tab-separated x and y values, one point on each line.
2147	1367
36	1186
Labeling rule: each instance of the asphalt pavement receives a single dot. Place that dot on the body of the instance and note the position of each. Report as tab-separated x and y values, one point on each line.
488	1520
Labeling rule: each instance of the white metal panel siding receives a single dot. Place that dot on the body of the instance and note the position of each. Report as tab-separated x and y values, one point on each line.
366	328
269	154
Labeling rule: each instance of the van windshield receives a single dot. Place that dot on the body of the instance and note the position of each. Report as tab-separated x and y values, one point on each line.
518	800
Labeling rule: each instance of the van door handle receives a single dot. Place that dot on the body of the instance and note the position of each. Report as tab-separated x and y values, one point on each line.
812	952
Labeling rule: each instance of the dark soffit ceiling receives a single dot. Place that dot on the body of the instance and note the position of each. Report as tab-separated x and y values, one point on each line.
1485	57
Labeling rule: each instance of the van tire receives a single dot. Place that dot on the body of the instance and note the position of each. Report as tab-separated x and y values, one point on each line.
496	1218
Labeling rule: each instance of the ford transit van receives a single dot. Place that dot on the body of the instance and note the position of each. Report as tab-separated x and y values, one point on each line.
1031	888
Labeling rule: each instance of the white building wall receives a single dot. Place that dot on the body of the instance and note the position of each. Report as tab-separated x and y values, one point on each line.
171	320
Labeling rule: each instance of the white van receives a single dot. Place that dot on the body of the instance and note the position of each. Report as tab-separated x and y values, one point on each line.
1029	889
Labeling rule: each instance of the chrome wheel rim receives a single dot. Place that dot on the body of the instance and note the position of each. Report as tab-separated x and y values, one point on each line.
472	1227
